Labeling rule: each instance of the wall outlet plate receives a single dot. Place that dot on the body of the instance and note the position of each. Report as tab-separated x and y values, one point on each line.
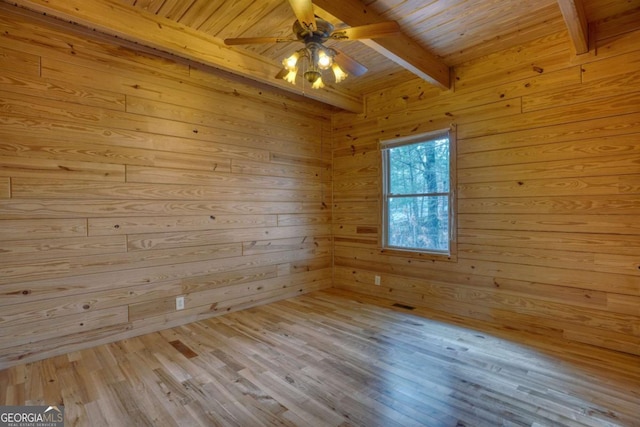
377	280
180	303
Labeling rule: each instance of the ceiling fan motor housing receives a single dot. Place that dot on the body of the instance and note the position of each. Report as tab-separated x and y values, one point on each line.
320	35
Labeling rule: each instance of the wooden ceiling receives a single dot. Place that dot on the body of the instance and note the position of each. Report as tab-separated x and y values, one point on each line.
437	34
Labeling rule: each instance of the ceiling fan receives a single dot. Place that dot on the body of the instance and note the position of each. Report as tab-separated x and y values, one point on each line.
314	31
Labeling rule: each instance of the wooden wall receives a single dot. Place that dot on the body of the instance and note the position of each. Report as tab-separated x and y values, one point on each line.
548	190
128	179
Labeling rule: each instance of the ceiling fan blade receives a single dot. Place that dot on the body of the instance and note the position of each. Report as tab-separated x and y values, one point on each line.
282	73
348	64
303	9
257	40
371	31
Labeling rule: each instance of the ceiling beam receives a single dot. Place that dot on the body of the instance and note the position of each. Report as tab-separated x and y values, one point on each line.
114	18
399	49
575	19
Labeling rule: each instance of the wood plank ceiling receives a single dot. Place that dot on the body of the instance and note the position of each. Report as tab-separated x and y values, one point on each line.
442	34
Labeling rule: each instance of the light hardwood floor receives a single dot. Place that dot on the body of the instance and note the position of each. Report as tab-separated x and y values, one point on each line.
333	358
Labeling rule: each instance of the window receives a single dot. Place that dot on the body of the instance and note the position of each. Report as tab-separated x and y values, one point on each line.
418	201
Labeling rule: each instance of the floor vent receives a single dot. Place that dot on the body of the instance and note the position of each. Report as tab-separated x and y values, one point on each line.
406	307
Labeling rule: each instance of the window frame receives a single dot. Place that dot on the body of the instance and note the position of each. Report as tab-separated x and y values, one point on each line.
385	145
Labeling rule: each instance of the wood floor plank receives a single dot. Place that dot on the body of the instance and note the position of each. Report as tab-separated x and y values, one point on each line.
335	358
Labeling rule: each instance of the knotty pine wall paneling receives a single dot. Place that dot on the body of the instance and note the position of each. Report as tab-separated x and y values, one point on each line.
548	190
128	179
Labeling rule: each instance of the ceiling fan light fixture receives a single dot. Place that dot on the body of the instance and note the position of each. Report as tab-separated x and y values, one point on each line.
324	59
320	58
291	62
318	84
291	75
338	73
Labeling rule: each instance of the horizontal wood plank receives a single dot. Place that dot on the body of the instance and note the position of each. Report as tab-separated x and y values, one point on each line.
592	148
40	330
11	59
28	188
27	251
60	169
581	185
160	240
288	220
578	204
27	229
97	208
133	225
611	263
291	244
590	243
218	177
606	224
248	167
62	90
601	166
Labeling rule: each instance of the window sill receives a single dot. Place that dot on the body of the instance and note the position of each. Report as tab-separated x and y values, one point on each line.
427	256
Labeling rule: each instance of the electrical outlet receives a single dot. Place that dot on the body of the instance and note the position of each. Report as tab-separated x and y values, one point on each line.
180	303
377	280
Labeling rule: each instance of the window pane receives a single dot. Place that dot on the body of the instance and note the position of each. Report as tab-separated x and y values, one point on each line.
419	222
419	168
